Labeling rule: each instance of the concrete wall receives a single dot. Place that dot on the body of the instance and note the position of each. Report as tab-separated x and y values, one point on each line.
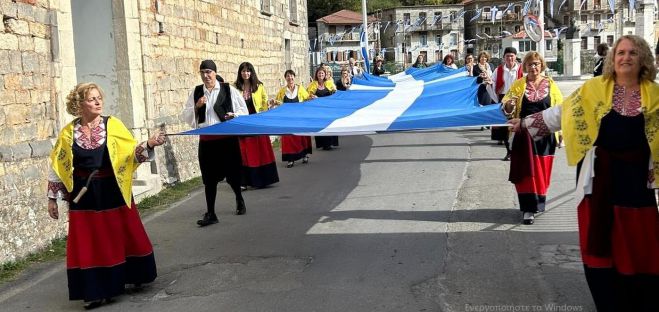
94	47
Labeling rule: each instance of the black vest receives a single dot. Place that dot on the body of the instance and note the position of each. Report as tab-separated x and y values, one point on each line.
222	104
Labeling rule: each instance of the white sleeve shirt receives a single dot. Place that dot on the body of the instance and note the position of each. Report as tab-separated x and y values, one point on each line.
509	76
237	103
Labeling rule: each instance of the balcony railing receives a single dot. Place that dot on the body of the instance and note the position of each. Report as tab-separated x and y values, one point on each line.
350	37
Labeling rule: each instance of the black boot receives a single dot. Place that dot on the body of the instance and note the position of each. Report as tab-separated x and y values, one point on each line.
208	219
240	207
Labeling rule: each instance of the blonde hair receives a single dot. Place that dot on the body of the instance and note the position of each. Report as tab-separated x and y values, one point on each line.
78	95
645	59
482	53
532	56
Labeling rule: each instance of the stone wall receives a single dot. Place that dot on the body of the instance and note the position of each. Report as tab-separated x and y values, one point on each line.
178	35
159	45
27	124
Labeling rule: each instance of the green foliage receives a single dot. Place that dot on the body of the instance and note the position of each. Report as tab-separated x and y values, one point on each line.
55	251
169	194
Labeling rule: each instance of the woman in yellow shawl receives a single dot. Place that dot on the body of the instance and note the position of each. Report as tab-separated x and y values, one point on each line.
531	162
611	131
293	147
258	158
323	85
92	169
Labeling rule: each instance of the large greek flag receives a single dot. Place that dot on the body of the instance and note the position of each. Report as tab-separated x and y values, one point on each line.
417	99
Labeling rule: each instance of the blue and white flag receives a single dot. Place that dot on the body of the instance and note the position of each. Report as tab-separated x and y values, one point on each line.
493	14
475	17
363	42
417	99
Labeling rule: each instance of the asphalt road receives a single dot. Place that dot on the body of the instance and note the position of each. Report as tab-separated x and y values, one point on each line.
392	222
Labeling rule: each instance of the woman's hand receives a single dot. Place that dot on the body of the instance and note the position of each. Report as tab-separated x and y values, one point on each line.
515	124
312	96
52	208
510	105
157	139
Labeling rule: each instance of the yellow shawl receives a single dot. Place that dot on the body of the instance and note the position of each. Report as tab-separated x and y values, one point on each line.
260	99
302	94
313	86
518	88
583	111
121	148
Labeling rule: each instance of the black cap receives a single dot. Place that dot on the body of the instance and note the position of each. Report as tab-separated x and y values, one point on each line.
509	50
208	64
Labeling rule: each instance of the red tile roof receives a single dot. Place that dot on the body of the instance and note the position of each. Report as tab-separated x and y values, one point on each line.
522	35
345	17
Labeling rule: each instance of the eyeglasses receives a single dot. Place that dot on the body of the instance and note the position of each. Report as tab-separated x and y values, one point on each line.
535	64
93	99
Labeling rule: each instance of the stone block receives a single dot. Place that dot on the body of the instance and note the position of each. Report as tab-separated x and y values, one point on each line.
16	114
31	173
21	151
9	8
38	30
17	26
26	132
15	61
22	97
27	82
6	154
30	61
6	97
41	15
8	41
4	63
12	82
40	148
25	43
2	169
26	10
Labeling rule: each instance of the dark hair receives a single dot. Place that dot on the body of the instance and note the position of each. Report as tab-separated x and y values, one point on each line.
417	59
468	55
253	79
448	56
289	72
602	48
319	69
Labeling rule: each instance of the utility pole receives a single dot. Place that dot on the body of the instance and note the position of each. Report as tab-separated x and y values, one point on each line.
541	21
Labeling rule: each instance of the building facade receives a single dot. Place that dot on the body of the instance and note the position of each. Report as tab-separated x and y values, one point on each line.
338	37
145	55
429	30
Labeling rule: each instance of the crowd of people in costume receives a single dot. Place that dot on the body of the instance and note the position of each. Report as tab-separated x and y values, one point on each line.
610	126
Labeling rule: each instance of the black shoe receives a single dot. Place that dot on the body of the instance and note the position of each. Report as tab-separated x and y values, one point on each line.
305	159
93	305
240	207
528	218
327	148
207	220
507	158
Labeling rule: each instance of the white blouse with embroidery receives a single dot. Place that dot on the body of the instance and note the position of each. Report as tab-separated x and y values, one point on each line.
97	137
